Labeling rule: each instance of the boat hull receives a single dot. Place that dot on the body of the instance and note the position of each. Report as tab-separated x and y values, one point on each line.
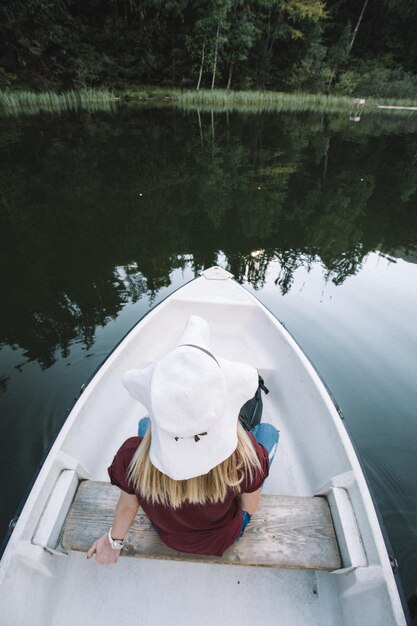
315	456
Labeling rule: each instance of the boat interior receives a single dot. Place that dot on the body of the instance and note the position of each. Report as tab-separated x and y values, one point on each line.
314	457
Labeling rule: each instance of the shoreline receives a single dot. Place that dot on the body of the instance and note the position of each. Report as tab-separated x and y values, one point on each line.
217	100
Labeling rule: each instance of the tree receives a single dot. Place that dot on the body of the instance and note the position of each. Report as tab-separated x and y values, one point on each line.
286	19
313	72
358	23
282	21
241	36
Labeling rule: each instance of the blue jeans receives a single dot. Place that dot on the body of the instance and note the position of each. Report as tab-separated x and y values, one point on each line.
143	426
266	434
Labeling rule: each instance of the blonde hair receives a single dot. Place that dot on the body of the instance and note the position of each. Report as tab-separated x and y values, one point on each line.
158	488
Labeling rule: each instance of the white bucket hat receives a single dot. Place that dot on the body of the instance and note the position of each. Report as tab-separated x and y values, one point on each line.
193	398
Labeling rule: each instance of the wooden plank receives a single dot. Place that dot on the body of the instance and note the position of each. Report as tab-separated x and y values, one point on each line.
286	532
400	108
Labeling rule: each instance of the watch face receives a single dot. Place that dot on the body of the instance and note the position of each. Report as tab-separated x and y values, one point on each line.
116	544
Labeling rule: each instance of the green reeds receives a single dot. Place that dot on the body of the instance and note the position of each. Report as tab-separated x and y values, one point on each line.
216	100
150	93
270	101
262	101
29	102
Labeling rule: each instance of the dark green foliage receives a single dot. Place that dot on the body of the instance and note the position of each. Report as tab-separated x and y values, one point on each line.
377	79
313	72
351	47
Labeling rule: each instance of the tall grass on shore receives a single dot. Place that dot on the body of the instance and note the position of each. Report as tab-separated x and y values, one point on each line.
29	102
270	101
262	101
216	100
148	93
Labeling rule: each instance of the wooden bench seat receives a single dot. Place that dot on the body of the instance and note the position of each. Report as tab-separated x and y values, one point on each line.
286	532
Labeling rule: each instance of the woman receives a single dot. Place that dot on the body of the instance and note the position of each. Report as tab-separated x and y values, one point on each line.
193	469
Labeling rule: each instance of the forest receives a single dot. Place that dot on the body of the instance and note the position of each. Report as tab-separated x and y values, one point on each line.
335	47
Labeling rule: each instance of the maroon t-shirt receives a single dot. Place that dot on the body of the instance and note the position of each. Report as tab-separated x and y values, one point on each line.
196	528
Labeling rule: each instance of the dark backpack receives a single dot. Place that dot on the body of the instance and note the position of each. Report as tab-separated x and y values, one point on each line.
251	412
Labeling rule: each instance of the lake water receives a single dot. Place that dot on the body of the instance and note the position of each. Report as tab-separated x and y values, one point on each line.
103	215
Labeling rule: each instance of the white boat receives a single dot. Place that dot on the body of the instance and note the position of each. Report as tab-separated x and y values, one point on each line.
39	585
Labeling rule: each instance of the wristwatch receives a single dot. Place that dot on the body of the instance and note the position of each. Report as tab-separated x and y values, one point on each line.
116	544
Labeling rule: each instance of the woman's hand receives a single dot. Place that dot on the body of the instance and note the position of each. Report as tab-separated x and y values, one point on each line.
105	555
126	509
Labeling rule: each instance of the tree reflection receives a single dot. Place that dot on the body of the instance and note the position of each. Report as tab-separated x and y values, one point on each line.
98	210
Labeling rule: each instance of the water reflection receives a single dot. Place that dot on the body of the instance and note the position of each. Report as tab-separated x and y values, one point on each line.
97	211
145	190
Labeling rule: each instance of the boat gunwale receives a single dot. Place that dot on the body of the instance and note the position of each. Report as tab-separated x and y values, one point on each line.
60	430
344	425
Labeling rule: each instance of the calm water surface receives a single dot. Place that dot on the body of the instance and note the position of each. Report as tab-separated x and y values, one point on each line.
104	215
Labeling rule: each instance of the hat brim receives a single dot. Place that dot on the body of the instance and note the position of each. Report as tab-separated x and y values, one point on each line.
185	458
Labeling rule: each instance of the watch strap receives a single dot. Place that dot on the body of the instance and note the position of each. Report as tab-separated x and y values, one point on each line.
116	544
